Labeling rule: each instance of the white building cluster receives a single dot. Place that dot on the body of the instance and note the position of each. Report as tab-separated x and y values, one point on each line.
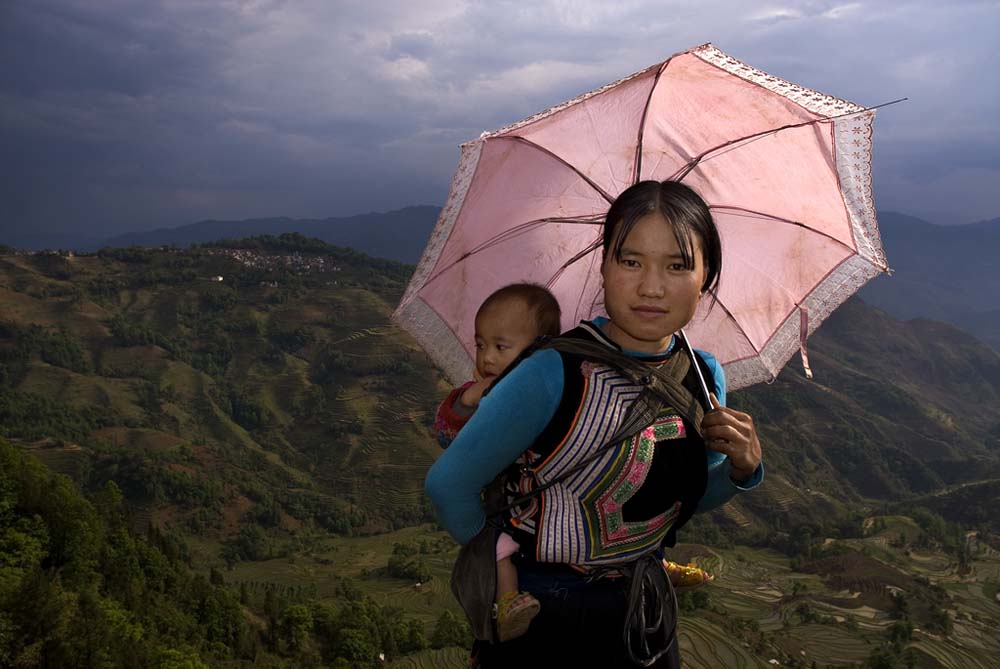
297	262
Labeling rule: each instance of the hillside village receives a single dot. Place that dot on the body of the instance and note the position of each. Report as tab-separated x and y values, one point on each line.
295	262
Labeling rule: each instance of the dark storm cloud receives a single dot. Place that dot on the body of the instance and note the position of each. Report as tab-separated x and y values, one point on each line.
125	115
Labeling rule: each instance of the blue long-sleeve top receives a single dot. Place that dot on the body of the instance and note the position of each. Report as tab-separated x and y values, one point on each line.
508	421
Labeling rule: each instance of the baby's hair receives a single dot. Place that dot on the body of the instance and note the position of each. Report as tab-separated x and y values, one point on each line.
538	299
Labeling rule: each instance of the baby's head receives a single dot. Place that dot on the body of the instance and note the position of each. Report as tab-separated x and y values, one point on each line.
508	321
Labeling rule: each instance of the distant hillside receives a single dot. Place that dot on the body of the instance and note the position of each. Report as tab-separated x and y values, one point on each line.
265	428
290	368
398	235
896	410
949	273
279	392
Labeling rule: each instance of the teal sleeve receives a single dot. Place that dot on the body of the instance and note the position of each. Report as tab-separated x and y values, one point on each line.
720	488
507	422
718	375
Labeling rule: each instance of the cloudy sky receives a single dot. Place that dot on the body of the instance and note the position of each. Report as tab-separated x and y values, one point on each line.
121	115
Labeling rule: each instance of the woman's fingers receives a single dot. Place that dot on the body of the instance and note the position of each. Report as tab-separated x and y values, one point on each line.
723	432
733	434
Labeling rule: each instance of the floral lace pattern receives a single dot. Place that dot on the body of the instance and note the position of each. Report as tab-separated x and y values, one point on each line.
814	101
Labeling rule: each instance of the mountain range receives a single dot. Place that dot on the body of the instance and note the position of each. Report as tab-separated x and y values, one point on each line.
949	273
294	366
946	273
397	235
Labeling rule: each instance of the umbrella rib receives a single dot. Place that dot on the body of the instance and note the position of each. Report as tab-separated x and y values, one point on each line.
580	174
736	323
637	164
750	213
743	141
590	248
586	281
514	232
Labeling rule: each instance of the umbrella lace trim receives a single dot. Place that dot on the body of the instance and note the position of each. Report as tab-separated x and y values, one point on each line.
833	291
814	101
446	219
853	136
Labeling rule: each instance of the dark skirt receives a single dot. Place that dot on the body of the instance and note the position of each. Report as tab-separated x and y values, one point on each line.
580	625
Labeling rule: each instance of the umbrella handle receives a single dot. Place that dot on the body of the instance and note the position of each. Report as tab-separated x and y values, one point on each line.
697	368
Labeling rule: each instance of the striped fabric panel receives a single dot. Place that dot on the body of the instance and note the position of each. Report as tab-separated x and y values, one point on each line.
563	536
608	397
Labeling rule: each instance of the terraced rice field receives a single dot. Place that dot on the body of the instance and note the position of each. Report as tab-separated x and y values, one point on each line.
360	559
950	656
752	585
823	642
705	646
934	566
447	658
68	460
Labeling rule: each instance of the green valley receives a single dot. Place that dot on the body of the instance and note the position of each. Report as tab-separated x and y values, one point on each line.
214	457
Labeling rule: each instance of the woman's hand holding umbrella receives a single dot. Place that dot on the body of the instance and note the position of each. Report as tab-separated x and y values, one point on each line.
732	433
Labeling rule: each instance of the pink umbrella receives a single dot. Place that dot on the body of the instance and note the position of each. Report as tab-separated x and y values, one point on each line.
785	170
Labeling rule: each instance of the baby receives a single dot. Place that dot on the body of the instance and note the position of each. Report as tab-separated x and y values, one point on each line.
507	322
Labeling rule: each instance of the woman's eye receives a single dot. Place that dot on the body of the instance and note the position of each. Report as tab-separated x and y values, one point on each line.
479	347
502	347
677	267
628	262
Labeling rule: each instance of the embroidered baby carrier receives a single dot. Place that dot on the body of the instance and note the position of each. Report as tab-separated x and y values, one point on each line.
606	516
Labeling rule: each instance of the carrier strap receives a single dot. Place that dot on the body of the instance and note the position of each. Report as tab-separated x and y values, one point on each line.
661	386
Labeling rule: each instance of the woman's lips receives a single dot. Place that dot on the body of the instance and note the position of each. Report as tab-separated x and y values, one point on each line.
648	312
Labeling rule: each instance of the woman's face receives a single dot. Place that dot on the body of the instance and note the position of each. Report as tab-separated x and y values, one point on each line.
648	292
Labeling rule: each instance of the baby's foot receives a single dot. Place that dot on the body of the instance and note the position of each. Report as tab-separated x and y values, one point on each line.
515	611
686	576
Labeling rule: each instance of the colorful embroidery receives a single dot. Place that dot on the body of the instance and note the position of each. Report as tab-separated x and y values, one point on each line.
603	510
595	531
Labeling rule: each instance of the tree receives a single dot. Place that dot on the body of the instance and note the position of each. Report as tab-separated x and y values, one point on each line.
356	645
170	658
450	631
296	626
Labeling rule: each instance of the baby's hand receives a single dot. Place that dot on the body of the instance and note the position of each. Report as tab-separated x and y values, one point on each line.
469	399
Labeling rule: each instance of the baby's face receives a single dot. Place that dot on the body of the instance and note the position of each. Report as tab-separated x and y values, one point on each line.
503	330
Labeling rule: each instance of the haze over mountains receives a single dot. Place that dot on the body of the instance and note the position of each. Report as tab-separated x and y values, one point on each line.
948	273
397	235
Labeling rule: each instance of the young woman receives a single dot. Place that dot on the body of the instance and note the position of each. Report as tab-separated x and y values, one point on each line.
587	541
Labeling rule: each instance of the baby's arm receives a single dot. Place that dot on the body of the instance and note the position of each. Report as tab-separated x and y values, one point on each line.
450	416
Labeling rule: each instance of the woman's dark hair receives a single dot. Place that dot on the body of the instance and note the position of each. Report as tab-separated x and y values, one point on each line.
683	208
538	299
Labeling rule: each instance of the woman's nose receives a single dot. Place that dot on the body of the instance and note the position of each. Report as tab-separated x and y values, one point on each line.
652	284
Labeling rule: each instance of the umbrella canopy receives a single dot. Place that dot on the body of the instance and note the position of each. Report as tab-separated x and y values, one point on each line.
785	170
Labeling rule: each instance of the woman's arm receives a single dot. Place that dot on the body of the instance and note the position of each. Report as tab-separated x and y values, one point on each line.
507	422
721	487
